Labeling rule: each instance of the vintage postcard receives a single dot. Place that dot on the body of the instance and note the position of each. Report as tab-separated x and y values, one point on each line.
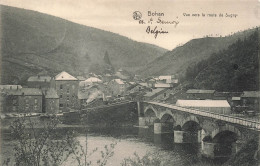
129	83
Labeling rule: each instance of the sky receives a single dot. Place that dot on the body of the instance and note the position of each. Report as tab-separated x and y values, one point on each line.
117	16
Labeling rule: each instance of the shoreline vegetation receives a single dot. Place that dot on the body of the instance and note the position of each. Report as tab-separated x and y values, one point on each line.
25	139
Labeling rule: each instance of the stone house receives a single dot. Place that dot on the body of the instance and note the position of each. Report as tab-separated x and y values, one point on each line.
200	94
41	82
24	100
51	101
67	89
10	95
117	87
31	100
251	99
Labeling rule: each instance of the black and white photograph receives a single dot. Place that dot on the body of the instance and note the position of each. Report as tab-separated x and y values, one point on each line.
129	83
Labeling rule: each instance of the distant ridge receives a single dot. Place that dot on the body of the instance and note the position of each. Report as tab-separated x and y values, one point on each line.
180	58
33	41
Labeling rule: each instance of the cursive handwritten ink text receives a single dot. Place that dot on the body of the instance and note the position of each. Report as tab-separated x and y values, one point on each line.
160	21
155	31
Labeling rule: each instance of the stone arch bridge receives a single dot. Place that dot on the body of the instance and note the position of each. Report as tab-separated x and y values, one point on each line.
220	135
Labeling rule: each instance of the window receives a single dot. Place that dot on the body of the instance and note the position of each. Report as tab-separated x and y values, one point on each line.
68	98
14	101
164	94
35	107
61	87
68	90
61	105
26	100
61	96
26	106
35	101
14	108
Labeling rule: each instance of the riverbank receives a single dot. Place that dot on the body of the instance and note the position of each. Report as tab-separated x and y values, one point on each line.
130	140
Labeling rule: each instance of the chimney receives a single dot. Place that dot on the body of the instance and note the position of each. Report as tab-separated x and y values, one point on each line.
11	87
45	80
38	76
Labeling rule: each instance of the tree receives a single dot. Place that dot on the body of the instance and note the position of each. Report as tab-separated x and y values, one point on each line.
107	59
36	146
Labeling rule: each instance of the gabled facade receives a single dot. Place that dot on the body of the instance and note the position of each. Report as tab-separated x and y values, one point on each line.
67	89
117	87
25	100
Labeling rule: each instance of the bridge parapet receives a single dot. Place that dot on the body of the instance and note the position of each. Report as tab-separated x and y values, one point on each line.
251	124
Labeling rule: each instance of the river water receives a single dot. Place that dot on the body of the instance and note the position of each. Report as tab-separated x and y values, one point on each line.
140	141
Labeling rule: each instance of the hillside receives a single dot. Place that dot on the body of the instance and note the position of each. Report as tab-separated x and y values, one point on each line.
233	69
32	41
180	58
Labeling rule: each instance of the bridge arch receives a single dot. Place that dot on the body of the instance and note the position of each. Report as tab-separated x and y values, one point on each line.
225	139
167	121
188	119
167	118
150	110
167	112
227	127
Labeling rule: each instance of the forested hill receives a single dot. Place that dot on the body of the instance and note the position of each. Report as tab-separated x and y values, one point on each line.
33	41
233	69
181	57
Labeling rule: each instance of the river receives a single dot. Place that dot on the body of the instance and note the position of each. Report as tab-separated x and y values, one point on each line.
141	141
129	140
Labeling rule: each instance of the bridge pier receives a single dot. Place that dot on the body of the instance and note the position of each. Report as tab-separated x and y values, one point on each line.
157	128
214	150
257	153
187	137
178	136
141	121
162	127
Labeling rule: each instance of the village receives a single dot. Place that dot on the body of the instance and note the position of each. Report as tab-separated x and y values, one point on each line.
65	93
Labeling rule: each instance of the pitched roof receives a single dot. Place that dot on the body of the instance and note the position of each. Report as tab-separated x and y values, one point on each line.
31	91
64	76
202	103
165	77
143	84
51	94
255	94
199	91
23	91
11	92
119	81
10	87
175	81
236	98
121	76
93	79
162	85
155	91
39	79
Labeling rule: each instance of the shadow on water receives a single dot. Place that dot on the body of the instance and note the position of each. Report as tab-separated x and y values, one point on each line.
189	153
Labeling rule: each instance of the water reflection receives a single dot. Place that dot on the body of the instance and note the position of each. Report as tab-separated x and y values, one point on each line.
141	141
